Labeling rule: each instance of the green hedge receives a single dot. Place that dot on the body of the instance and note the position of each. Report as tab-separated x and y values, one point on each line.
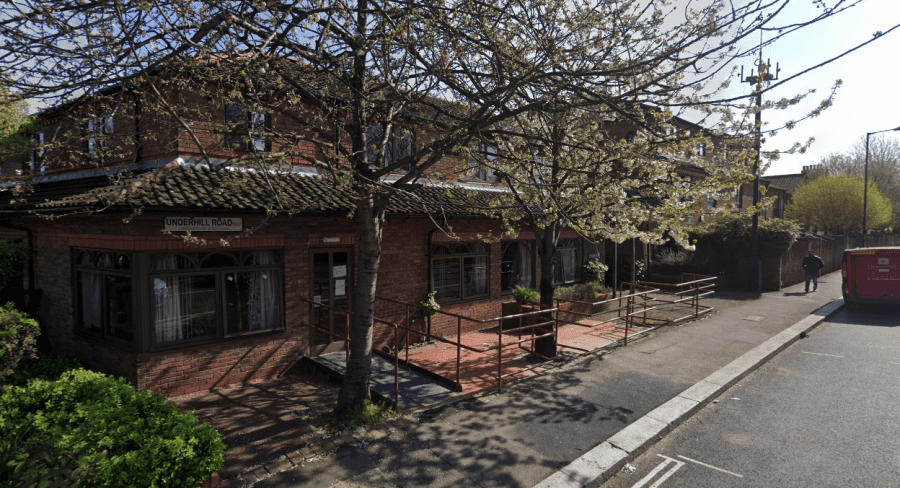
120	436
18	339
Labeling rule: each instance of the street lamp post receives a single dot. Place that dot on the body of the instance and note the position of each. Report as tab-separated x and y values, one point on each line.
866	181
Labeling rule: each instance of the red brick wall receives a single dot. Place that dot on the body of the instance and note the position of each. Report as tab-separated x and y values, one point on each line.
403	276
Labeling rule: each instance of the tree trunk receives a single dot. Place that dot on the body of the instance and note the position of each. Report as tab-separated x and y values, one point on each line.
355	389
547	250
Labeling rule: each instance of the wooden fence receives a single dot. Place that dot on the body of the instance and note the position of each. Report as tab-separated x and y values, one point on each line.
830	249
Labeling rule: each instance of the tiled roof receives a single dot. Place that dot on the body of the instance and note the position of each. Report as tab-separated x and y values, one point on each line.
790	183
199	187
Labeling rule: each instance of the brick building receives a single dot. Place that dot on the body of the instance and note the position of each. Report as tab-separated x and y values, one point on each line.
126	293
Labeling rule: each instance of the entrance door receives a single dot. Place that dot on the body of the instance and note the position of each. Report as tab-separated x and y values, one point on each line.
331	285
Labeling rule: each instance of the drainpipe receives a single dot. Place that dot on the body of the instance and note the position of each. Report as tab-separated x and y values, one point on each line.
430	281
30	235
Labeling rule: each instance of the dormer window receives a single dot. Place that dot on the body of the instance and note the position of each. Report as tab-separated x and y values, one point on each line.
399	145
483	154
246	125
100	132
36	159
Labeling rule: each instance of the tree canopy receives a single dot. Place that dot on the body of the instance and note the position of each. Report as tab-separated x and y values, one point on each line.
378	95
835	203
884	166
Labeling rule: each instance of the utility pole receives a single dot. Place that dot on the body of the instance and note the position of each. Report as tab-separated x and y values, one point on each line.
764	76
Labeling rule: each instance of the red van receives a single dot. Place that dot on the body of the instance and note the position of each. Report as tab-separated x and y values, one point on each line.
871	275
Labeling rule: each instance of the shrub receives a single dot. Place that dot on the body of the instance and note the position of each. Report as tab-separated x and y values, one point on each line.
122	436
43	368
523	294
673	261
18	339
13	256
581	292
595	270
623	273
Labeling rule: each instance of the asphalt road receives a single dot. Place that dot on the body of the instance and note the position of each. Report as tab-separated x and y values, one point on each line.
824	413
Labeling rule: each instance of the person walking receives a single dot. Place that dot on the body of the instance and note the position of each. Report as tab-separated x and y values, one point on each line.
812	264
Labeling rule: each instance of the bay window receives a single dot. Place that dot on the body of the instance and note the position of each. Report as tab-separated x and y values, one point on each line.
460	271
516	265
103	289
565	263
204	296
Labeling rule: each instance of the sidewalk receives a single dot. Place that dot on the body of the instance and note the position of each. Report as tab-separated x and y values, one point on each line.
567	427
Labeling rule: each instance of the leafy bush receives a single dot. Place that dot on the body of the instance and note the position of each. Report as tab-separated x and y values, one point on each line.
581	292
13	256
595	270
43	367
623	273
673	261
429	302
523	294
727	238
18	339
122	436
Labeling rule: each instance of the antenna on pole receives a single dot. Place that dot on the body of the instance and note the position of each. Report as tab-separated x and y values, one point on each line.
764	75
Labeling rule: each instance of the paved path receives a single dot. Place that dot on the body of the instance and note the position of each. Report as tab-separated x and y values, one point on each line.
554	430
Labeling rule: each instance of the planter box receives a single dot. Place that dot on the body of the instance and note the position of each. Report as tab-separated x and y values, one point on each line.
512	308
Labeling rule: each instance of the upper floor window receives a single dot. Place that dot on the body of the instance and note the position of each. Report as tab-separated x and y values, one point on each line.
460	271
399	145
36	162
516	265
483	156
104	303
246	126
100	139
565	263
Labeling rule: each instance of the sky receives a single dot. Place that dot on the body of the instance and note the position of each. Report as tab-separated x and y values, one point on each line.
869	99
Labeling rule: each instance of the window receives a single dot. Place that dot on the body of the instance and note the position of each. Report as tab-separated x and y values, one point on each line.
483	155
208	296
399	145
37	152
100	132
565	263
460	271
103	282
516	265
246	126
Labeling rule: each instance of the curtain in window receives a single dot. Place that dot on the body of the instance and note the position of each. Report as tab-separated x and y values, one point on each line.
475	276
262	306
91	297
522	265
172	308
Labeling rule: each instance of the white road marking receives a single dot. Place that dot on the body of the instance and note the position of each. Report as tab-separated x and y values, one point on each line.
646	479
821	354
664	477
710	466
898	364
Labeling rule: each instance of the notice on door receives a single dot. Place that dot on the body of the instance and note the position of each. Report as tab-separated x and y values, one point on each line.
203	224
340	271
340	288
